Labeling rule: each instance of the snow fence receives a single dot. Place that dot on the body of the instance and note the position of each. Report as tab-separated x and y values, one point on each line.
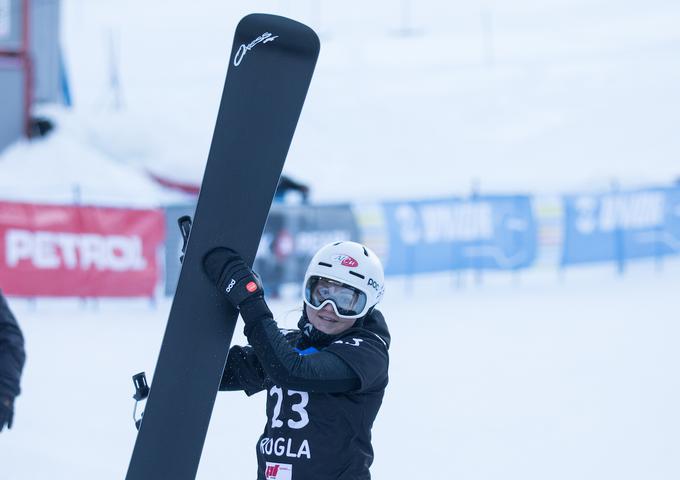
86	251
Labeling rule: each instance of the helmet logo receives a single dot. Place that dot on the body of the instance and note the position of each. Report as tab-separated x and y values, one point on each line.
346	260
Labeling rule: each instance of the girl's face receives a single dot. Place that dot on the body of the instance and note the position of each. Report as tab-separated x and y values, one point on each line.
327	321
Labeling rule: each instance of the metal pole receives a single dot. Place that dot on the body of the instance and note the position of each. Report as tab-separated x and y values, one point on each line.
28	70
619	233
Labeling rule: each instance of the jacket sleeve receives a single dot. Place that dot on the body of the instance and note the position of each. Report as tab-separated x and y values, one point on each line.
12	355
243	371
321	372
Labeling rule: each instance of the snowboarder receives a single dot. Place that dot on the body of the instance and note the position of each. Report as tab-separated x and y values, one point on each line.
12	358
325	381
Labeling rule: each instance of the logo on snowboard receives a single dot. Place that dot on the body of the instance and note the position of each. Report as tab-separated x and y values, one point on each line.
243	49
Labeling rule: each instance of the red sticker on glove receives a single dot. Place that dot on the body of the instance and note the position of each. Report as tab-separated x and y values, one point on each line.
251	287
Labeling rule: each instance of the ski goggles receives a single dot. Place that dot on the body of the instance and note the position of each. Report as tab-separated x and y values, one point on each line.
347	301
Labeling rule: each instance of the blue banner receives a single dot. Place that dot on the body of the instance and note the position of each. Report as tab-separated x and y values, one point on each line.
490	232
621	225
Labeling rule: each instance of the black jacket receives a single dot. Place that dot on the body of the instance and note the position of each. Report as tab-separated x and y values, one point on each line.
322	395
12	356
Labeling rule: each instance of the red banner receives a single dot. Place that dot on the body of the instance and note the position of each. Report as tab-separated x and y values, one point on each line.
55	250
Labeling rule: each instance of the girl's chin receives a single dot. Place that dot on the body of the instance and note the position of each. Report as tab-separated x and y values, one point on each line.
324	325
331	326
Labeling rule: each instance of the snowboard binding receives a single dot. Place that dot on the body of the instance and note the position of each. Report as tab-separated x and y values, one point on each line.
184	223
141	393
139	380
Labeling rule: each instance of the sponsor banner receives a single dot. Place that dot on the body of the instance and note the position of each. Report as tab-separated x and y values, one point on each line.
52	250
621	225
487	232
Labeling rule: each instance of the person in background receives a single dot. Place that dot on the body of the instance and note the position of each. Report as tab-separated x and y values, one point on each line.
287	184
12	359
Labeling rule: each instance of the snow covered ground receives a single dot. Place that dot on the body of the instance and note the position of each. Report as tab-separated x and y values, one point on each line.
527	378
65	168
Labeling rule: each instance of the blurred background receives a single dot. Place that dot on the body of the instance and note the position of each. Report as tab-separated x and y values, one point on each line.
516	166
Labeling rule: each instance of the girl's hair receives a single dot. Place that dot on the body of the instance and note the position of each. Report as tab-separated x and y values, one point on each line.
286	318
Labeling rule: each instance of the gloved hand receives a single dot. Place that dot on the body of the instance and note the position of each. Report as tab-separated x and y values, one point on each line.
6	412
232	276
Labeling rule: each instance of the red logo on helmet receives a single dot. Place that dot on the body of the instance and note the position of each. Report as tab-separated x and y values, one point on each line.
346	260
251	287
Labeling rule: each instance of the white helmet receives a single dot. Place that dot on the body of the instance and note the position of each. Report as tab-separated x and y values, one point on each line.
357	280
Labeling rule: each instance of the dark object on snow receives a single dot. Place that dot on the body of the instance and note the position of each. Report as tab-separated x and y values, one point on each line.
12	359
40	127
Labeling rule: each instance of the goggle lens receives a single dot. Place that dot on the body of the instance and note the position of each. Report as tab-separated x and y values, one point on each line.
349	301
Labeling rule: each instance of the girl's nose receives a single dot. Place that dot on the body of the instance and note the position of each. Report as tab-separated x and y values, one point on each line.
328	308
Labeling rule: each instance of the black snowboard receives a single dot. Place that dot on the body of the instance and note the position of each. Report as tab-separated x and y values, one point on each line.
270	68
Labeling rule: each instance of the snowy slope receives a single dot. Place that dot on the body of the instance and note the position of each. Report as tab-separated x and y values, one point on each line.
65	168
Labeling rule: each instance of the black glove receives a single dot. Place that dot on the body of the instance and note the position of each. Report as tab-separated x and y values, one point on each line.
232	275
6	412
